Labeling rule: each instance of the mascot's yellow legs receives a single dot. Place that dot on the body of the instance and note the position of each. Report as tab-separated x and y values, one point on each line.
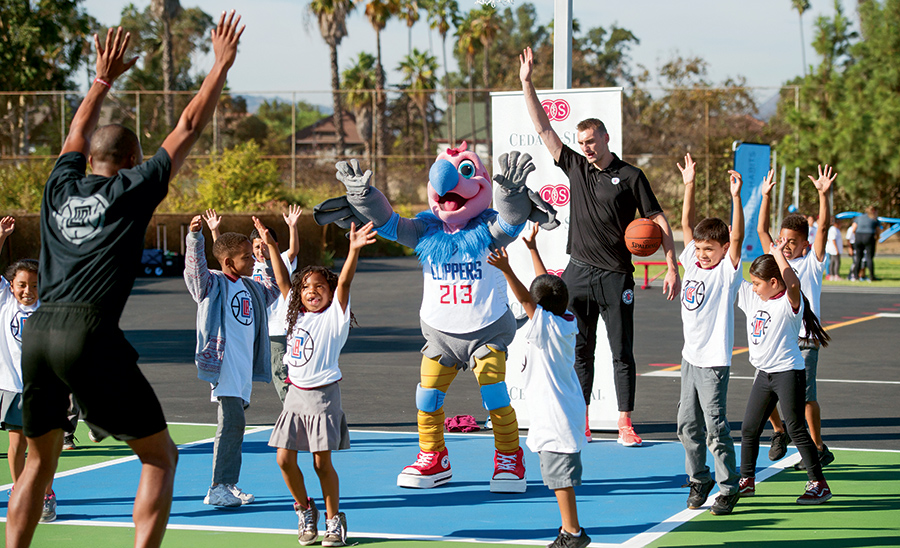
489	370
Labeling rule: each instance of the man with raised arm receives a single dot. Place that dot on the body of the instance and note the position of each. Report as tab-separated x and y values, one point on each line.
92	236
605	195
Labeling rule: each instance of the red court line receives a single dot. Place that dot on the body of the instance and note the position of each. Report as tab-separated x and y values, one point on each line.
849	317
662	364
887	309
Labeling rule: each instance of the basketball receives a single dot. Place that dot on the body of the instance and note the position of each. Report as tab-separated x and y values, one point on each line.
643	237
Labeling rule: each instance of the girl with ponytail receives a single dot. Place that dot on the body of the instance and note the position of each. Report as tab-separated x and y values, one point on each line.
775	309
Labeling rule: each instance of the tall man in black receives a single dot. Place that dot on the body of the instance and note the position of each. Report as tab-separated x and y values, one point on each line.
605	194
92	235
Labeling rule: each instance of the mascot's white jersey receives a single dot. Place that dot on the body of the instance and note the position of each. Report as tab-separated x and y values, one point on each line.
463	294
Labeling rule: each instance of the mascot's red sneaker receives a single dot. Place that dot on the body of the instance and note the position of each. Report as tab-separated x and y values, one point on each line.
509	472
430	470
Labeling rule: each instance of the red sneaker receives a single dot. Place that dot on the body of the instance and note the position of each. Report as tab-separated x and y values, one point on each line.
628	437
747	487
817	492
431	469
509	472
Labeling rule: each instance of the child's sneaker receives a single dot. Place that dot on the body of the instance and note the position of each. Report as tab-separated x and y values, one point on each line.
246	498
747	487
48	512
509	472
220	495
566	540
335	531
817	492
308	523
778	447
826	457
69	441
432	468
96	436
724	504
699	493
628	437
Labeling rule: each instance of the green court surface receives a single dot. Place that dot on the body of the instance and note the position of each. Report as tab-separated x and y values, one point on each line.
864	512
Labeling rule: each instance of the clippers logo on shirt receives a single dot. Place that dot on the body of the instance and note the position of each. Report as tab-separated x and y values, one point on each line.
302	347
628	296
258	278
81	219
760	323
17	324
242	307
693	295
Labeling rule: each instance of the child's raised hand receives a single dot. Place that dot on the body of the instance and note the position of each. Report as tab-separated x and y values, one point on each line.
777	247
736	183
263	232
362	236
531	239
197	223
7	226
499	259
826	177
212	220
769	182
688	172
292	217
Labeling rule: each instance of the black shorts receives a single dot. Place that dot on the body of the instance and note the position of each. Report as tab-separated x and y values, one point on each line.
72	348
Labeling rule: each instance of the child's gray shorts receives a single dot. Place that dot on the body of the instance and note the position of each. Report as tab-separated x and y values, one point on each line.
560	470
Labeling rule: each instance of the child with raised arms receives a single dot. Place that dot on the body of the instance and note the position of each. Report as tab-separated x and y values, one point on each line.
809	264
776	310
18	300
318	323
712	276
552	390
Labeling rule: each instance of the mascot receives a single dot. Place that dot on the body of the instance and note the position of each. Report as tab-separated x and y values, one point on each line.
465	315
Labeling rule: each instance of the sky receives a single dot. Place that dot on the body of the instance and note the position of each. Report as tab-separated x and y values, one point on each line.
282	50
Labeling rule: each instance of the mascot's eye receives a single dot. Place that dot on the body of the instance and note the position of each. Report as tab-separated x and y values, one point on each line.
466	168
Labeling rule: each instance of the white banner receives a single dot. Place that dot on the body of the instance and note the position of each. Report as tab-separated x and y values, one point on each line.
512	129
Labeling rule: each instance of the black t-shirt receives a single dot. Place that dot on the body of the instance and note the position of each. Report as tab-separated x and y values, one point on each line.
602	204
93	227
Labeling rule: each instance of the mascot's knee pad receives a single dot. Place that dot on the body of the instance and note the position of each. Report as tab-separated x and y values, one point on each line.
429	400
494	396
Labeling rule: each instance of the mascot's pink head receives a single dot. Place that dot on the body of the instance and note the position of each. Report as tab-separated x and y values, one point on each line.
459	187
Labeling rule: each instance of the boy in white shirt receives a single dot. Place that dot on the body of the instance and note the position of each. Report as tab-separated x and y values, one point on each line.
232	341
809	264
712	276
552	390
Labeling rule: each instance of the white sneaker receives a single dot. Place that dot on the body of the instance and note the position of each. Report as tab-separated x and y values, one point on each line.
336	531
246	498
48	512
220	495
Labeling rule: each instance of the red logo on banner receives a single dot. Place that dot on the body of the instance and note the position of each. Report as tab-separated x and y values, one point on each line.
556	195
557	109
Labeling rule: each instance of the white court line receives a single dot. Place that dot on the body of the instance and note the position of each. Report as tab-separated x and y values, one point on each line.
739	378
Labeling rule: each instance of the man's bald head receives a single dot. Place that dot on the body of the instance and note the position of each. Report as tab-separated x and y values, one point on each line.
116	145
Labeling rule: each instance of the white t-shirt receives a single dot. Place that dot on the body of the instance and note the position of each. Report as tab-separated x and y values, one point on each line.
276	310
851	235
313	349
835	244
707	309
12	319
809	269
462	295
772	328
236	376
552	391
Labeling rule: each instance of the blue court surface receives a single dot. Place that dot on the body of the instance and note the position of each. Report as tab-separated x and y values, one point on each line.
626	492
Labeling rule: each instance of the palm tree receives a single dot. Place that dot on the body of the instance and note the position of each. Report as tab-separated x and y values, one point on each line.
332	18
441	14
419	71
166	11
410	12
378	12
801	6
486	26
359	81
468	44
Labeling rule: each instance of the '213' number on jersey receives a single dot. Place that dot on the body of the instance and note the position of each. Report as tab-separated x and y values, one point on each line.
456	294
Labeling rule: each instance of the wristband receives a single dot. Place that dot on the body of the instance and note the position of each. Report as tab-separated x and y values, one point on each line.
104	82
